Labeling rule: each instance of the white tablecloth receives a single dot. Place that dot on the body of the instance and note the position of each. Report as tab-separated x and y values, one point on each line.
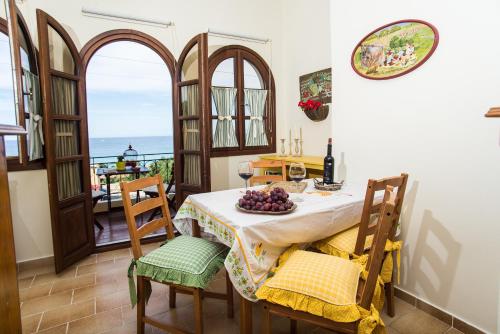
256	241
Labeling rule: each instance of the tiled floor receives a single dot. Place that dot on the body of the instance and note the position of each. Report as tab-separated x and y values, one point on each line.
92	297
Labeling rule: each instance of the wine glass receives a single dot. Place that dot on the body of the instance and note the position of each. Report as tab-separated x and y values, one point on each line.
297	172
245	170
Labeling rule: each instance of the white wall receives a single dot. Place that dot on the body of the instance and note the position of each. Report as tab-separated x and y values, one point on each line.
430	124
307	49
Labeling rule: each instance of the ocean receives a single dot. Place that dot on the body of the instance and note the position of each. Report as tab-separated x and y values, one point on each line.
107	149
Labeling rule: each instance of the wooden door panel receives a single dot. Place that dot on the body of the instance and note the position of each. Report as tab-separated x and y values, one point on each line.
74	228
192	167
66	142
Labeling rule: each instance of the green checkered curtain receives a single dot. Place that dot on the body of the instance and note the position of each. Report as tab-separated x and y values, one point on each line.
35	130
224	99
255	99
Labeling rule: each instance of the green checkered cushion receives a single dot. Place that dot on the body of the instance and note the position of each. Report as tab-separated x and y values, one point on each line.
184	260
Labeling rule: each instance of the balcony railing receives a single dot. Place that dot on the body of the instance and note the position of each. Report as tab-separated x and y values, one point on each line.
157	163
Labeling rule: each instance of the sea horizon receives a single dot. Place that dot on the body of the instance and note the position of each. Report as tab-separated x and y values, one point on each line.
108	148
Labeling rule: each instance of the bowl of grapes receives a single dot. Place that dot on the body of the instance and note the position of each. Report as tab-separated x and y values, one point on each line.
274	202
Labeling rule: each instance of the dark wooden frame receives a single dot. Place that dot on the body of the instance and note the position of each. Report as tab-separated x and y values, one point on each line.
366	287
434	46
111	36
21	162
10	311
60	210
183	190
240	54
161	202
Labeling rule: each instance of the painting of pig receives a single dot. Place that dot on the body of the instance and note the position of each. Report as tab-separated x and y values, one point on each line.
394	49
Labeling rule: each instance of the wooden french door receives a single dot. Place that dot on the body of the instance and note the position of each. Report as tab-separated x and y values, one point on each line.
66	142
192	155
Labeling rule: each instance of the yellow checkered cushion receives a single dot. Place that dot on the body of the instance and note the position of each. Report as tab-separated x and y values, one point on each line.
327	278
343	242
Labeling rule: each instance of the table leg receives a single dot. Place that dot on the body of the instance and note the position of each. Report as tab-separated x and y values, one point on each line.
108	189
245	316
196	229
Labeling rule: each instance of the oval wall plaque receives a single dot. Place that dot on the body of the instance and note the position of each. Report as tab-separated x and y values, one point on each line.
394	49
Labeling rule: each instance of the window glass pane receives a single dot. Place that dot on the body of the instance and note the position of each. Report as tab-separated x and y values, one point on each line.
7	106
190	65
25	59
66	138
192	170
63	96
252	77
69	179
191	135
60	56
189	100
11	146
224	74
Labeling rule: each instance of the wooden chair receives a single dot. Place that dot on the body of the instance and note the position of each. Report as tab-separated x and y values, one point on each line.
366	287
357	240
180	248
259	179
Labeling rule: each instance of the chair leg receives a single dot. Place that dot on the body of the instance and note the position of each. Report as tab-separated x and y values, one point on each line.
266	320
293	326
389	296
198	311
229	292
141	305
99	226
171	296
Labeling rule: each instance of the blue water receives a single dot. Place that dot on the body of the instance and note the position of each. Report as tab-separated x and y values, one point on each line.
159	147
112	147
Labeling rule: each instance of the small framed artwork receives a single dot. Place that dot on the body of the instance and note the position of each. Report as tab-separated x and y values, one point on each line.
316	86
394	49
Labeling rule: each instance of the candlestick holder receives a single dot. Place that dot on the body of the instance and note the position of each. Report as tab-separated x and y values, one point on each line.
297	149
301	150
290	144
283	151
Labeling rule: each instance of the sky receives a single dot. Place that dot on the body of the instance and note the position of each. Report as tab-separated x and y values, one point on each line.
129	92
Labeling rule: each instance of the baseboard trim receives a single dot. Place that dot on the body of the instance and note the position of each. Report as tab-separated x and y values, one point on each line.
33	264
437	313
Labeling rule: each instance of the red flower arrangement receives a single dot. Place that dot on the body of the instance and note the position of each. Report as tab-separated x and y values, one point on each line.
309	105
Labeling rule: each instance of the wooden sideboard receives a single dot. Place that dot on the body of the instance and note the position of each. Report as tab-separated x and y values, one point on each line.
10	313
314	164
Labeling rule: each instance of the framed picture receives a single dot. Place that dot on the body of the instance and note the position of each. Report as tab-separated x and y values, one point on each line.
316	86
394	49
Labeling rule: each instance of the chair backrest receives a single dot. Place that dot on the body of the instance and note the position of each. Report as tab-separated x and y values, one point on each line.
268	178
133	210
385	224
369	208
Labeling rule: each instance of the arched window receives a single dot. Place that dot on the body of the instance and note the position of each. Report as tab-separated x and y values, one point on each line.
242	109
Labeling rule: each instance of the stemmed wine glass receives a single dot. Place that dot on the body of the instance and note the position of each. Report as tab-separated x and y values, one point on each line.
245	170
297	172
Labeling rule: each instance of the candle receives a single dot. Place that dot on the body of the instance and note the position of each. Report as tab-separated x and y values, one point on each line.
301	134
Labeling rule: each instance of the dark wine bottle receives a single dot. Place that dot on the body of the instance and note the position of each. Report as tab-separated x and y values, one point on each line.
328	164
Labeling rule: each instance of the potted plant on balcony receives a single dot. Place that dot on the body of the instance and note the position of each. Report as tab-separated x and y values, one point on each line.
120	165
313	109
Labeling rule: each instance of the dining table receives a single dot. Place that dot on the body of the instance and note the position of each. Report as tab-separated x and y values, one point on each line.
257	240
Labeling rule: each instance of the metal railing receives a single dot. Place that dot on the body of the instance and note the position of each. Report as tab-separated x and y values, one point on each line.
151	161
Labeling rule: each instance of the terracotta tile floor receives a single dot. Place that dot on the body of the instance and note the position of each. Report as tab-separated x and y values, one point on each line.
92	297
